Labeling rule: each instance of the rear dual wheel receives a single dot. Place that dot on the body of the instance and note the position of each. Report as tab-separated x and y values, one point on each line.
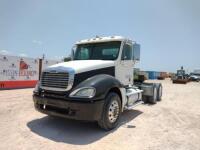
153	98
157	94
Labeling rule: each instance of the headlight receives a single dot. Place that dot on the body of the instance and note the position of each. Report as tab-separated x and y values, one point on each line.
37	87
85	92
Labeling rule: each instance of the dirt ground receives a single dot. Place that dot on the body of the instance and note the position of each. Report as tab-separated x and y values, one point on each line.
173	123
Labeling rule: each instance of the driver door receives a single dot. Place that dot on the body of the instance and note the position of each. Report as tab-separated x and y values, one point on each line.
124	70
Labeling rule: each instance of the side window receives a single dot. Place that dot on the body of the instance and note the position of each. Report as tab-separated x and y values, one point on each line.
83	54
127	52
110	53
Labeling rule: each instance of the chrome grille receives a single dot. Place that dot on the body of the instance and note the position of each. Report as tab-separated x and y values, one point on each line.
55	80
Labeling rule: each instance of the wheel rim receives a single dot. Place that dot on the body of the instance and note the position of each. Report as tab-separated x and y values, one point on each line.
160	91
113	111
155	94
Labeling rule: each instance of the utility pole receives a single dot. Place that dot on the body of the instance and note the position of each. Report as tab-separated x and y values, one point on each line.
43	56
40	65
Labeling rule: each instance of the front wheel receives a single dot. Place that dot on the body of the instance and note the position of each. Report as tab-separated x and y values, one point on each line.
111	112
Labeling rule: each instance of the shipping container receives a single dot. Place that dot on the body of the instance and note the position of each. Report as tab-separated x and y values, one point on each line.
153	74
164	74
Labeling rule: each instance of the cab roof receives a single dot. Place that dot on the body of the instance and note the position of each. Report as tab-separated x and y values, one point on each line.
98	39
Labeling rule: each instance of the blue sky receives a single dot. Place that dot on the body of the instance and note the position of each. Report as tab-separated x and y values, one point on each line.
168	30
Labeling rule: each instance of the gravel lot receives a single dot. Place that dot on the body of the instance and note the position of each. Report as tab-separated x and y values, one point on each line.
173	123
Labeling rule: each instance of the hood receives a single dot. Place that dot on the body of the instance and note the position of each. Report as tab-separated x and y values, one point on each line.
79	66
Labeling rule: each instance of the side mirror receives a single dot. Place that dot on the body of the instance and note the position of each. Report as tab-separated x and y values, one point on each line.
66	59
136	52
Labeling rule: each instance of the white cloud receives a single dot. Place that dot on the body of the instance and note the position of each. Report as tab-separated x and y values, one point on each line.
37	42
23	55
4	52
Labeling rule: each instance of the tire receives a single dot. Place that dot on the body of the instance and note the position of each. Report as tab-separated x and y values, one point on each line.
111	112
159	92
153	99
145	99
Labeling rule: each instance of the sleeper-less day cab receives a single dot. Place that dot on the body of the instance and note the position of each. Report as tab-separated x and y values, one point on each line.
97	85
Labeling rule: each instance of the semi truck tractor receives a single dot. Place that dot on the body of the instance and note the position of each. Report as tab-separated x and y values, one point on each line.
97	84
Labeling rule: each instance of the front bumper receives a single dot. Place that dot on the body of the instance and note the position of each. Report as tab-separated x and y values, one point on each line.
77	110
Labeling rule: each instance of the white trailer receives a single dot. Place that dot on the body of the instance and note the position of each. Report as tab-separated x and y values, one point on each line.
21	72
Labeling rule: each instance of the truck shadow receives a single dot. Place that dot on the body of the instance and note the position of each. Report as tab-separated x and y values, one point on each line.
75	132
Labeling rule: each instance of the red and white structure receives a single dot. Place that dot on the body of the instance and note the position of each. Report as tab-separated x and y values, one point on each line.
20	72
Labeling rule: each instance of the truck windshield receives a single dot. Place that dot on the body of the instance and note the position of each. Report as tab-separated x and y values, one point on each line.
98	51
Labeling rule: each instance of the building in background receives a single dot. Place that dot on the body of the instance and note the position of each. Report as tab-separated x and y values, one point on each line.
21	72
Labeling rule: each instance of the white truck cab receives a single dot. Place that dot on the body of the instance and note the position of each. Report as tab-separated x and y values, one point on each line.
123	52
97	85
